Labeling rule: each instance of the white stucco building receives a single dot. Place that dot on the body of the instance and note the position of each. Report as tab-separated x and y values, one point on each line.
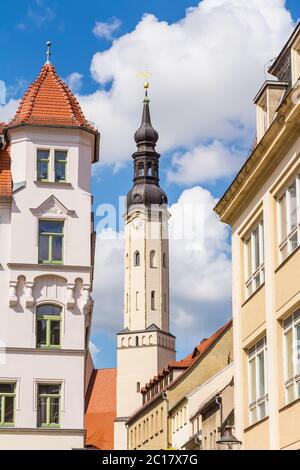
47	244
145	346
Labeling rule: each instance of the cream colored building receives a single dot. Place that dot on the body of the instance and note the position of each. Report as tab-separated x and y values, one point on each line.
198	418
263	208
165	406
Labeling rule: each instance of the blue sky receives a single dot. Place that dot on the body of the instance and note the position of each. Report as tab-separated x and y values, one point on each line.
26	25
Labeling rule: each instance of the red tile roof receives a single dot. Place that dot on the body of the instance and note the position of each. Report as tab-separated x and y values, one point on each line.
50	101
101	409
5	172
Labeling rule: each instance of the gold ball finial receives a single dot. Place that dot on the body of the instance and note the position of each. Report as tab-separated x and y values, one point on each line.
146	85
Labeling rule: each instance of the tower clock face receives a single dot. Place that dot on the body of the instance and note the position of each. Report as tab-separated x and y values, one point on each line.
138	224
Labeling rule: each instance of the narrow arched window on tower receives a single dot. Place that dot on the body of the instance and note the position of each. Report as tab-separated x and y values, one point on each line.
164	260
137	258
153	300
141	169
137	300
136	340
149	169
152	259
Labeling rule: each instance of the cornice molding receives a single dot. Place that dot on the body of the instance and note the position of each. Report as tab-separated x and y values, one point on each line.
40	351
49	267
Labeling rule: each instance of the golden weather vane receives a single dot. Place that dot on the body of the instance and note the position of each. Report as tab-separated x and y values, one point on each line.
145	75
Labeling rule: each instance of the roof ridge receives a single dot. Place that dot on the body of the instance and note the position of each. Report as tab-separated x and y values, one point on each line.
31	89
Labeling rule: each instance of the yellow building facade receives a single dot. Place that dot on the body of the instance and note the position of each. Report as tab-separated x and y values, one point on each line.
263	208
151	426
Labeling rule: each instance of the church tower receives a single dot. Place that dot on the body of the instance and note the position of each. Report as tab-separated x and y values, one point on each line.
145	345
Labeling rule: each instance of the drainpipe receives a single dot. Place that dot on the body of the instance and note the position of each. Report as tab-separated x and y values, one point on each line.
218	400
164	396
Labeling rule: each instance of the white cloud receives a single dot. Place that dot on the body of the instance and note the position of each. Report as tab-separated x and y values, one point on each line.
206	68
200	274
74	81
204	163
94	350
106	30
8	110
109	282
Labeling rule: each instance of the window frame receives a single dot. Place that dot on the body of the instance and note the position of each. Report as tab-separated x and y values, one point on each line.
64	162
252	355
137	259
49	319
43	160
50	241
250	282
48	397
290	232
51	168
3	396
292	322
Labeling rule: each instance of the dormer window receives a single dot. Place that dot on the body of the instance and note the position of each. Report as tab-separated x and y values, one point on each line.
267	101
295	60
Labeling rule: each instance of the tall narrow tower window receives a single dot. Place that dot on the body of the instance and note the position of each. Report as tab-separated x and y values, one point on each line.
153	300
137	258
164	260
152	259
149	169
137	300
141	169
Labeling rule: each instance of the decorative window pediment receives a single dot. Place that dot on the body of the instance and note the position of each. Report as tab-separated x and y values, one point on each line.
52	207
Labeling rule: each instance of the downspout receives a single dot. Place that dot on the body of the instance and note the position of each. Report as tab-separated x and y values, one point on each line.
218	400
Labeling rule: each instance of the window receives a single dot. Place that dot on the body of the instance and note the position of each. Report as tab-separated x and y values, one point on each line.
48	329
164	260
52	165
137	300
141	169
149	170
7	404
43	159
291	331
137	258
254	260
153	300
60	165
138	387
289	219
152	259
51	235
258	398
49	397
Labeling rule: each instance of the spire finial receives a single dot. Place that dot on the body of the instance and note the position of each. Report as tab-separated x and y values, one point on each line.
145	75
48	52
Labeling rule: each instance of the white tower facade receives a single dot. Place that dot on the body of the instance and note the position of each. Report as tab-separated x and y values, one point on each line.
145	345
47	239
